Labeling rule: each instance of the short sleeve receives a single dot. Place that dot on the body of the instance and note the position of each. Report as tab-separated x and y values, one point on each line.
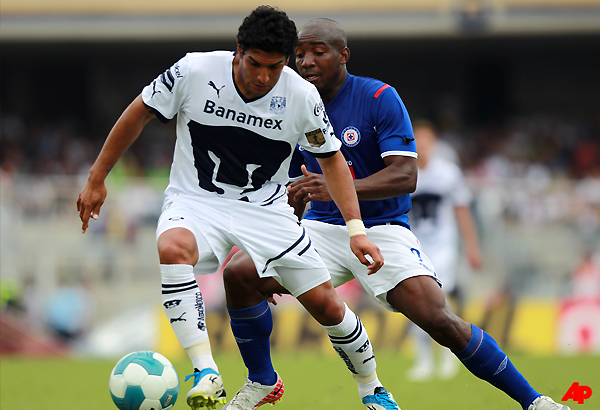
296	163
318	137
394	129
166	93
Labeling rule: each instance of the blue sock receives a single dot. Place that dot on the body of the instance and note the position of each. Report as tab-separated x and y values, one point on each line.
252	328
484	359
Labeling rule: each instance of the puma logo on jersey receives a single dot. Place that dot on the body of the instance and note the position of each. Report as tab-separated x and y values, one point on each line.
154	90
241	117
179	319
218	90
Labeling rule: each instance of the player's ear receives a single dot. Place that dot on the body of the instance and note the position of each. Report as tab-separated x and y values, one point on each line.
344	55
239	49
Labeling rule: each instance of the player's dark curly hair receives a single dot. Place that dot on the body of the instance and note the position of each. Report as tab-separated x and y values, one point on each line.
268	29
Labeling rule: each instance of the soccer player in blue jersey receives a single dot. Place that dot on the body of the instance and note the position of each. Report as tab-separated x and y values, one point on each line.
370	119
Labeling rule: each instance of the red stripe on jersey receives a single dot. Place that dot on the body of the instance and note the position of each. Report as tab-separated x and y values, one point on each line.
381	90
352	172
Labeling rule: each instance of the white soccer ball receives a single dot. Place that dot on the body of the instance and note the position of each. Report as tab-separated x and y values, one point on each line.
144	380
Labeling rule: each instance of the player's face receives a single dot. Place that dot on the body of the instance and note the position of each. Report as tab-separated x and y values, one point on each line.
257	71
425	139
320	63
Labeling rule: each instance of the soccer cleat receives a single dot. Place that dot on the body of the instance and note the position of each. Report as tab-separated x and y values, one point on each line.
208	389
252	395
546	403
380	400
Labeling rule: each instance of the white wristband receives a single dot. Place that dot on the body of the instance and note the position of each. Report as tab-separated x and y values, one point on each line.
356	227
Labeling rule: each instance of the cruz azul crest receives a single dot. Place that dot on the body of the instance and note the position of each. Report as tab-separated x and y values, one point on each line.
351	136
277	105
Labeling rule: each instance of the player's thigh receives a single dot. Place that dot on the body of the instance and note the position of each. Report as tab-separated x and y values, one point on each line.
403	258
419	298
182	213
240	277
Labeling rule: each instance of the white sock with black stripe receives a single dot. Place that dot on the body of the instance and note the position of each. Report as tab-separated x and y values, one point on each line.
184	307
351	341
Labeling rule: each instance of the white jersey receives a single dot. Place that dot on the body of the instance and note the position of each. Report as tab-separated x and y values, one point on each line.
440	188
228	146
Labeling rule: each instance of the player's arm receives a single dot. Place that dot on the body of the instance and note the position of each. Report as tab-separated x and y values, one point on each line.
341	188
126	130
298	203
399	177
398	149
466	227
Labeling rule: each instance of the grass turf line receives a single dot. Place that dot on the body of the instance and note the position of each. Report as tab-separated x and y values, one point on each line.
312	381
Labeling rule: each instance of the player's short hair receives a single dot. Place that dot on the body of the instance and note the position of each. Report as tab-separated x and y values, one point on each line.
268	29
332	29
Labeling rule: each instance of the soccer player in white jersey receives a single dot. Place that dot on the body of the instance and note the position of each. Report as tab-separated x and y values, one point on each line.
239	117
378	143
440	217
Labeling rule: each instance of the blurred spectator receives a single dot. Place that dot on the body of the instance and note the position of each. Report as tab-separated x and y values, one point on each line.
69	310
440	217
585	278
64	147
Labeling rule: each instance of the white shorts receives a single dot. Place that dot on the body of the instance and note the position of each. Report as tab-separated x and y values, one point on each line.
401	252
271	235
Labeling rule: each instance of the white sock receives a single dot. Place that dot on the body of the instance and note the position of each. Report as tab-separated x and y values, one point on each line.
201	355
367	384
351	342
184	307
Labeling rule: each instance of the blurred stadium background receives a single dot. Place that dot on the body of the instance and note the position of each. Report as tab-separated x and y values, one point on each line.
513	84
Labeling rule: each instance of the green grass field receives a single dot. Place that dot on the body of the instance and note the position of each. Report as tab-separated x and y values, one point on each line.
312	381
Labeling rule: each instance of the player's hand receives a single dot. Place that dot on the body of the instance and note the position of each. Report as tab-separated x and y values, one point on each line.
474	258
271	298
362	246
90	201
310	188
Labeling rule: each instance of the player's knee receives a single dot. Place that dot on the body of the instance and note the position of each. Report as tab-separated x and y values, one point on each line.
235	278
174	251
446	329
330	312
